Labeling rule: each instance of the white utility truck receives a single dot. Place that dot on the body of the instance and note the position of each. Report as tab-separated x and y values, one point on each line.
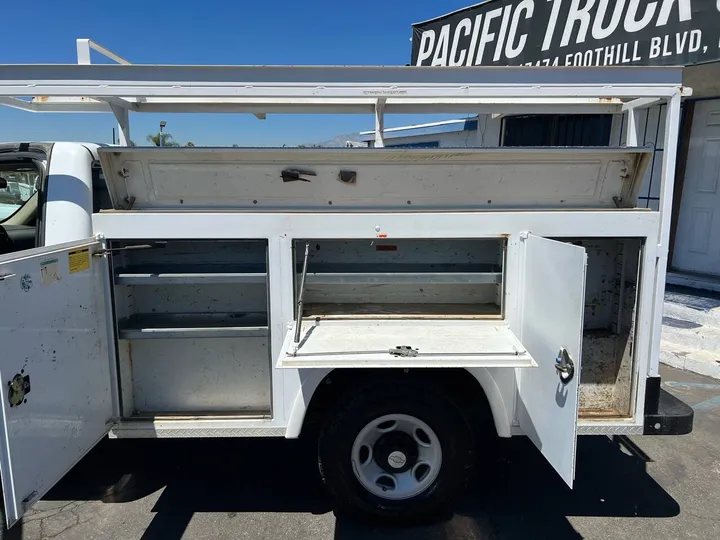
410	304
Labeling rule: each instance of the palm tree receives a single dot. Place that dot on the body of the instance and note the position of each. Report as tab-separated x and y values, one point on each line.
166	138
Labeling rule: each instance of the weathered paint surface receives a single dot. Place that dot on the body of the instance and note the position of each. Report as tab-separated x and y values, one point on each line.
183	374
606	381
390	179
54	333
404	255
195	376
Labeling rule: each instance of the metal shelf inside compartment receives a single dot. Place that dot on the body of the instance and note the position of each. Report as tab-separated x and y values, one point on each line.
415	311
349	273
194	325
191	274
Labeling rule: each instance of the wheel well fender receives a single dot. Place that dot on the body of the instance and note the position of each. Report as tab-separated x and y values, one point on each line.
313	378
310	380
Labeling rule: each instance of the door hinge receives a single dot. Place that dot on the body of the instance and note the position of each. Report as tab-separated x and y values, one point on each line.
28	501
127	203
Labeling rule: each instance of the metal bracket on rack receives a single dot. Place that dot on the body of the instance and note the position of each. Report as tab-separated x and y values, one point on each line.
102	252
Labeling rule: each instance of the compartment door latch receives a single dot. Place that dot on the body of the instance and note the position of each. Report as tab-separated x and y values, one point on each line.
565	366
403	351
296	175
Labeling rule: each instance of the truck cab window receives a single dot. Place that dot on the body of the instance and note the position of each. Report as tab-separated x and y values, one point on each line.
18	183
101	195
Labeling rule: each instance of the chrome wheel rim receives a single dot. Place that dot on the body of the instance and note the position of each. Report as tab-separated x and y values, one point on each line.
396	456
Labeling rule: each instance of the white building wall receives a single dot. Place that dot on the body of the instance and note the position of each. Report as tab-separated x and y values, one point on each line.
460	139
487	134
651	133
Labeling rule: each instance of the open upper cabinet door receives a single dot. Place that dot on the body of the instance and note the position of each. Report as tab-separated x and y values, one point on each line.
553	298
55	366
264	179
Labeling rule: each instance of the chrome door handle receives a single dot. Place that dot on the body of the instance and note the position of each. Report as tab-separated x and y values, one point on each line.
564	366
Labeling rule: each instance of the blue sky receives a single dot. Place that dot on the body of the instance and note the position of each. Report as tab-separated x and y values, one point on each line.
211	32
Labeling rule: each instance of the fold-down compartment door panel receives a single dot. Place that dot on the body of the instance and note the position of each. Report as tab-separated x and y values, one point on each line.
251	179
553	298
403	343
55	366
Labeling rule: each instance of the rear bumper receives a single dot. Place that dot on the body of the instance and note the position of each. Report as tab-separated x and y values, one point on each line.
664	413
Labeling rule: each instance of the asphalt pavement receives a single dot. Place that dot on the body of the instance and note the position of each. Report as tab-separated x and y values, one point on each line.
644	488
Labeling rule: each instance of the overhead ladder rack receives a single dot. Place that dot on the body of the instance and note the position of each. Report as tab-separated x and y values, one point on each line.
125	88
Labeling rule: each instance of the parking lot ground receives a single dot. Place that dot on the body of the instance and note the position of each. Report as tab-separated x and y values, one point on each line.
644	488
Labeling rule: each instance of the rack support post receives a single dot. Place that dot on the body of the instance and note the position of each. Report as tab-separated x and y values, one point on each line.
123	120
380	123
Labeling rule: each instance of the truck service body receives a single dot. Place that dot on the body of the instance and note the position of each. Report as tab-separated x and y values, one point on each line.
403	306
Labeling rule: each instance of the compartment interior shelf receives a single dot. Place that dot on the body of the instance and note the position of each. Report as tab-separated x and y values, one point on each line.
401	311
398	273
188	274
324	274
431	343
404	278
194	325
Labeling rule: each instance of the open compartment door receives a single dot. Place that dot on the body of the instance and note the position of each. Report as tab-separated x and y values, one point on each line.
55	366
552	311
353	343
255	179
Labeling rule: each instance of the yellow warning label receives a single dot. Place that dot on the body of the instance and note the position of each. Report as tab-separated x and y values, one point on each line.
79	260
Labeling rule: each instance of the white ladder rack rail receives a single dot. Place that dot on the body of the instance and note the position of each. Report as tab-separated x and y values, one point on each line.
378	90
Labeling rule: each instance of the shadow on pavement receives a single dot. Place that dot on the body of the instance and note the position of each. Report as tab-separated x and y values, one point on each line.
515	494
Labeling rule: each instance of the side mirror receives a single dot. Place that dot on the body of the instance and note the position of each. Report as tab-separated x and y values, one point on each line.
3	183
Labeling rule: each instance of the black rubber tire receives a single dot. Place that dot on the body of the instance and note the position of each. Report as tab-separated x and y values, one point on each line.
15	533
372	401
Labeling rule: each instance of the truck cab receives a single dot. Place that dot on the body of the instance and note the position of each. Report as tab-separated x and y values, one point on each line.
46	201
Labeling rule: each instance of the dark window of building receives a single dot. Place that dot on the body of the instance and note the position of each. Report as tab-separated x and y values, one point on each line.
428	144
101	195
557	130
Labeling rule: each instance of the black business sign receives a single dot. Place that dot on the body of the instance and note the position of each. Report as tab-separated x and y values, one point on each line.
572	33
